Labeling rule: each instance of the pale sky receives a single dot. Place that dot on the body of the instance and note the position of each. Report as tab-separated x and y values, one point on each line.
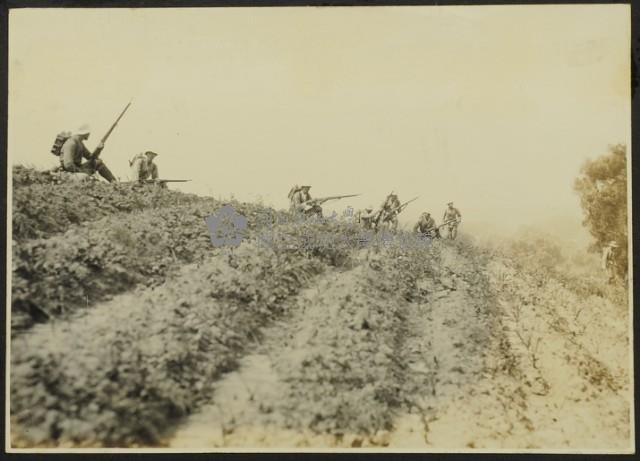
492	107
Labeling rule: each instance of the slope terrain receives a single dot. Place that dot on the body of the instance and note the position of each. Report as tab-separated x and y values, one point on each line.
130	329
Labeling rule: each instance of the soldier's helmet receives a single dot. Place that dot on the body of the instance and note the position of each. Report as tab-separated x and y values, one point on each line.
369	209
450	204
150	154
305	187
83	129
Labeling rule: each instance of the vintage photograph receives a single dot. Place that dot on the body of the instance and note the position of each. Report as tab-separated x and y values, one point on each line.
390	228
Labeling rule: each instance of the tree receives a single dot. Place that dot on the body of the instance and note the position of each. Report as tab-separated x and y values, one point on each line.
602	187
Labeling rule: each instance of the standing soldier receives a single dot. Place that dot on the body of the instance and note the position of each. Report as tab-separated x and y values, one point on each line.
143	167
451	219
608	260
73	151
388	212
426	226
301	201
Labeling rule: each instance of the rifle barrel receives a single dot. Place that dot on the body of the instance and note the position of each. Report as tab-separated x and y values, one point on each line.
108	133
401	207
333	197
150	181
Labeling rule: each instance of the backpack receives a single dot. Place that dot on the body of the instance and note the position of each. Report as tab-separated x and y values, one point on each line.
61	138
136	157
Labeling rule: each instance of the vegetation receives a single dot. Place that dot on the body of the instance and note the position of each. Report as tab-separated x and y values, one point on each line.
602	186
366	328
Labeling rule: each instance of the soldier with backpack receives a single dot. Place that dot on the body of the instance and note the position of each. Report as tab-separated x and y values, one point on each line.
301	202
388	212
71	150
143	167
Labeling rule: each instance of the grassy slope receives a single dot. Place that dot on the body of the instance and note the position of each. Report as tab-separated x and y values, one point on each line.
76	244
123	372
130	367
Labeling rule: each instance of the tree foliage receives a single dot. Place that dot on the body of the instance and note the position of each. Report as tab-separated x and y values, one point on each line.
602	186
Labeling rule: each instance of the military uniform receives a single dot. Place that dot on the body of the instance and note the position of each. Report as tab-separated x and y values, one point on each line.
451	219
366	217
426	226
301	202
389	211
608	260
143	167
73	151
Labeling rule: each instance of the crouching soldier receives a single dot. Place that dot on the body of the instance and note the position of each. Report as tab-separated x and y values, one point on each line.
426	226
366	217
143	167
73	151
301	202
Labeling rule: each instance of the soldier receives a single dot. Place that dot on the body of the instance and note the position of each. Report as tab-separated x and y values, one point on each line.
143	167
366	217
301	201
426	226
73	151
609	254
388	212
451	219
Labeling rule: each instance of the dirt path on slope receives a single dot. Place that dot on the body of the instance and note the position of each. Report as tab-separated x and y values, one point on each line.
241	413
447	342
441	347
450	369
528	382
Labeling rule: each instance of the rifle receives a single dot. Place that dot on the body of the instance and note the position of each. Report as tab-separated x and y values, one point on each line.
320	201
154	181
447	222
401	207
162	181
398	209
108	133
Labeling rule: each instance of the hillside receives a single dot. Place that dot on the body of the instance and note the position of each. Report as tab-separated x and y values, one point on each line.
130	329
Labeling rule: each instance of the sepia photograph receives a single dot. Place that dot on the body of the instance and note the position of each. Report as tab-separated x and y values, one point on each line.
320	229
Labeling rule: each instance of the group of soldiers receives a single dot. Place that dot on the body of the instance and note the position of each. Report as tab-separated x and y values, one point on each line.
385	216
426	225
76	158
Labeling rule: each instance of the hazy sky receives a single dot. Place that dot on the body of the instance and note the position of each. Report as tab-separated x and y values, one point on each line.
493	107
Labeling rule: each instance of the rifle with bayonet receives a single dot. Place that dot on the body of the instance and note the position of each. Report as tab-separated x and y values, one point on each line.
397	210
108	133
402	206
446	223
320	201
154	181
162	181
